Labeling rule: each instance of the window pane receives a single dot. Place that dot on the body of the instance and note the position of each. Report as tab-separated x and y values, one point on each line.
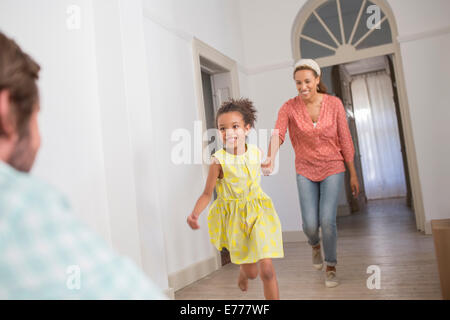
362	26
378	37
314	29
310	50
329	14
350	10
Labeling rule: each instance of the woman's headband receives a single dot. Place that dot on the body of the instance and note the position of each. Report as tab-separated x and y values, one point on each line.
309	63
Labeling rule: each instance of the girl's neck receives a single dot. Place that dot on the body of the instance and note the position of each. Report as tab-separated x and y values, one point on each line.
235	150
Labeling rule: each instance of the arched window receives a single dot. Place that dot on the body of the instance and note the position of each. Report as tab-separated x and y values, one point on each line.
339	31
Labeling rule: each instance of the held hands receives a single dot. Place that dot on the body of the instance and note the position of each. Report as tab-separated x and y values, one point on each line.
192	221
267	166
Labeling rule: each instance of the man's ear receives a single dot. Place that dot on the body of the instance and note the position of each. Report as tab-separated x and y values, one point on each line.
7	126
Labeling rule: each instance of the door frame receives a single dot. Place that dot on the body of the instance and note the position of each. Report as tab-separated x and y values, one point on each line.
393	49
203	50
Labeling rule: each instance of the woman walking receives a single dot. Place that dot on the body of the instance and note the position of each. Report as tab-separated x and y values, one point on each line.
322	142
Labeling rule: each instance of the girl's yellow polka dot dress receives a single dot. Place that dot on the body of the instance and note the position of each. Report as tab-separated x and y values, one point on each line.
243	218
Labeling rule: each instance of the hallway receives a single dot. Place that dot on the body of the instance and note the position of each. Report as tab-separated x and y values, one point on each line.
385	235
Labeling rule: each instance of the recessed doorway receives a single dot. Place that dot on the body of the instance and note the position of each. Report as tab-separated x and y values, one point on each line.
336	32
216	81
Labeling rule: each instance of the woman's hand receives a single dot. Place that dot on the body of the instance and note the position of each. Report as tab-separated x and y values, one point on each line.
267	166
192	221
354	185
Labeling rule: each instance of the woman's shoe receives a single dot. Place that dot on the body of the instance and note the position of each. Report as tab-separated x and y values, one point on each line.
332	280
317	258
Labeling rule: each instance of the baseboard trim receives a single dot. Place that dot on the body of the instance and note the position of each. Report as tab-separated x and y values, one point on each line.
180	279
194	272
428	230
294	236
170	293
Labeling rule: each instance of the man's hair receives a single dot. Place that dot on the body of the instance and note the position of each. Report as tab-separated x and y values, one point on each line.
18	75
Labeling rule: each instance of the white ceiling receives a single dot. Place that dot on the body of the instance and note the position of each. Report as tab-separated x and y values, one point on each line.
366	65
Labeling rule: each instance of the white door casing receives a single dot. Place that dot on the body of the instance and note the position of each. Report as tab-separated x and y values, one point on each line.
225	85
345	51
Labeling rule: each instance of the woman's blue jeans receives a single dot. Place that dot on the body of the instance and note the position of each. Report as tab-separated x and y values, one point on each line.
318	202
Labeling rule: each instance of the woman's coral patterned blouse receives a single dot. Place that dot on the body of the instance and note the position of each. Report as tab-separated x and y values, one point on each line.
321	151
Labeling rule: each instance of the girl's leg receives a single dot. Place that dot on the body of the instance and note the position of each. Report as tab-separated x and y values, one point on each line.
269	279
308	193
329	196
247	271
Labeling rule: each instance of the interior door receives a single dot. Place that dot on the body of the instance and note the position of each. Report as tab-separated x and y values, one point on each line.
210	109
216	90
341	86
401	135
222	88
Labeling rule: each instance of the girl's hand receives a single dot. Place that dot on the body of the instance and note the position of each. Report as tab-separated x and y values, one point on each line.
192	221
267	166
354	185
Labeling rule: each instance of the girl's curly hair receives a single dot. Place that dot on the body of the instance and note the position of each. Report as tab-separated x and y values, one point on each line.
243	105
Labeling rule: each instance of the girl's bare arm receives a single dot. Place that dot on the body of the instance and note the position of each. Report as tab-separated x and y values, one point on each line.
202	202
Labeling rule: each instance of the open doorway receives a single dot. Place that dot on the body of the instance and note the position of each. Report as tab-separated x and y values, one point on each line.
368	90
337	32
216	83
216	80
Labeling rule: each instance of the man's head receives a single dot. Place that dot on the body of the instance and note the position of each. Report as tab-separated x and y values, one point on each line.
19	106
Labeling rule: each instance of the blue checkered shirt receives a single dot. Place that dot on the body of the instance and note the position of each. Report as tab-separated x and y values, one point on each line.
47	253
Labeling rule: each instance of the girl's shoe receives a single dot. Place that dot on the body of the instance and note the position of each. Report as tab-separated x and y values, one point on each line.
332	280
317	258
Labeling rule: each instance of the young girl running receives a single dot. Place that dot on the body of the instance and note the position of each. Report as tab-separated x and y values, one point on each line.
242	218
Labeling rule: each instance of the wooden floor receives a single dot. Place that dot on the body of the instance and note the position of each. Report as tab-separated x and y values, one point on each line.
384	235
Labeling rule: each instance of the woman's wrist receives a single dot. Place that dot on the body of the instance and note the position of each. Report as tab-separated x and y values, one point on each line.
351	169
270	161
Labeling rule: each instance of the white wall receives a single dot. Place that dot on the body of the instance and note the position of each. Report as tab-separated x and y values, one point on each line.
128	135
424	48
269	91
214	22
112	93
267	27
71	155
169	29
266	30
427	73
95	119
415	16
115	90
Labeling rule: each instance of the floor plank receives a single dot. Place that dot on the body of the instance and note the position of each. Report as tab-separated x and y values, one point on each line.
384	235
